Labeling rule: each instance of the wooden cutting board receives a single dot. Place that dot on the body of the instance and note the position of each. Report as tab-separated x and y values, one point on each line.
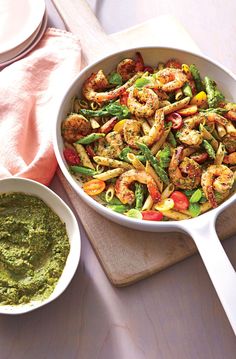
125	254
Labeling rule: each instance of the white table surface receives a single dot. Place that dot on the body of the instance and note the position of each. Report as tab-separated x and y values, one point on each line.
174	314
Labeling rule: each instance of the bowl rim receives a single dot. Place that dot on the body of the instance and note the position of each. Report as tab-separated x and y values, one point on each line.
98	207
75	246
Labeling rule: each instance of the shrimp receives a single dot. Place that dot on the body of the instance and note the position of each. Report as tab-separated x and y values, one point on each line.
185	175
98	81
125	195
230	159
74	127
142	103
132	129
110	146
214	117
171	79
230	143
128	67
219	178
187	134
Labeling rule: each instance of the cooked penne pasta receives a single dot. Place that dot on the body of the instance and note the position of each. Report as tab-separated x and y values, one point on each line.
220	154
110	193
176	105
135	162
149	169
167	191
221	130
156	147
83	156
176	216
148	204
208	136
109	174
110	162
178	94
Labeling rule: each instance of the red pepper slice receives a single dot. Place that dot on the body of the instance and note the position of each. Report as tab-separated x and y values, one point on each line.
108	126
71	156
176	119
124	98
152	215
90	151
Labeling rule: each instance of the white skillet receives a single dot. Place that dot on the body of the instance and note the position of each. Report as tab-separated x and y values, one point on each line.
202	228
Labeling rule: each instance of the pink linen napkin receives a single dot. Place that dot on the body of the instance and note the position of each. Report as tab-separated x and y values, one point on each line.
31	90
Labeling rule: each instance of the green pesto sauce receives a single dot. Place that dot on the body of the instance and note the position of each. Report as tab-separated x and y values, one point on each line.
33	249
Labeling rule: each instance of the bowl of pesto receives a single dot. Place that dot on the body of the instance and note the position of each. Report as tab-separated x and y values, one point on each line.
39	245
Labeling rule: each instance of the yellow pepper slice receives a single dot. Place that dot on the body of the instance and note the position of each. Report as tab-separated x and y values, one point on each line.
186	70
119	126
200	99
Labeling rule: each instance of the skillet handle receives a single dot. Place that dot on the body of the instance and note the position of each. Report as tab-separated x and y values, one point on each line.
219	268
80	19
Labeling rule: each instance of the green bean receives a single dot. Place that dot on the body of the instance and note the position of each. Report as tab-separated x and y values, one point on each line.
82	170
149	157
210	150
90	138
139	195
197	78
120	208
187	90
164	156
124	153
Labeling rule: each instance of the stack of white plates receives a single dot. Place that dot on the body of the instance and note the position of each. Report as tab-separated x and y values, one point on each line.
22	24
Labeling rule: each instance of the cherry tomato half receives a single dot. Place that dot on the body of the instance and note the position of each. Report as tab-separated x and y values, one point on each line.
176	119
181	200
94	187
152	215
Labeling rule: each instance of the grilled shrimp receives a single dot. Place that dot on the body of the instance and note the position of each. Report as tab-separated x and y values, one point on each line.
125	195
110	146
219	178
171	79
142	103
132	130
98	82
230	159
214	117
230	143
74	127
185	175
190	137
128	67
187	134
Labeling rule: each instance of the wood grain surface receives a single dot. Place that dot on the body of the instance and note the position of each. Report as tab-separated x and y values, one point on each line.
125	254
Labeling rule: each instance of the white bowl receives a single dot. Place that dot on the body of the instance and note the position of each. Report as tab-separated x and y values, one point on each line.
66	215
151	55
